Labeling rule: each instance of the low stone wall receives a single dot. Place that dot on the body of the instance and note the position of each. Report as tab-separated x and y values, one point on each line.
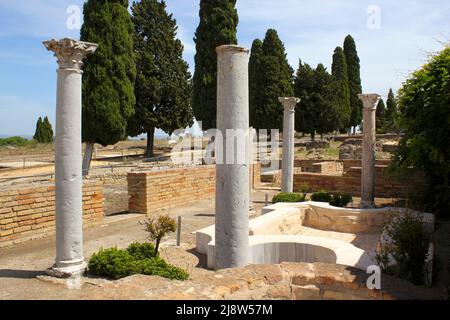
158	191
28	213
110	178
154	192
350	182
308	165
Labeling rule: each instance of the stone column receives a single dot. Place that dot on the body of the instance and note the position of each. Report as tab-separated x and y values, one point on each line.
370	102
287	178
68	159
232	175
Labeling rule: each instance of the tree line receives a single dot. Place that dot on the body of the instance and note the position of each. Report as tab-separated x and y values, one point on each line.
138	81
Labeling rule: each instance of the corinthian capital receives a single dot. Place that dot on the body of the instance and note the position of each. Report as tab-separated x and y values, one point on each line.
70	53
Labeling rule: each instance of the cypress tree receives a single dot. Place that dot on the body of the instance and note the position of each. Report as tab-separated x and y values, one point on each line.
162	88
306	113
391	112
276	81
354	81
109	74
38	134
381	117
339	72
48	130
323	99
255	73
218	26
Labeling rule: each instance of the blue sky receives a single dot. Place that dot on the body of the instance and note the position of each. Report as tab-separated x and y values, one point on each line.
408	31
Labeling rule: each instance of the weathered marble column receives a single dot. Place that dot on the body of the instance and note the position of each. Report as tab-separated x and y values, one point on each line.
287	178
68	159
370	102
232	175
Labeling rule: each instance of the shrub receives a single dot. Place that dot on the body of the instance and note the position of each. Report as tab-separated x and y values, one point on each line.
321	196
340	199
141	251
407	243
14	141
158	227
288	197
136	259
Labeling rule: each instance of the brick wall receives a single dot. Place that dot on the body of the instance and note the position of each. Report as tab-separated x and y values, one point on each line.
157	191
28	213
350	182
307	165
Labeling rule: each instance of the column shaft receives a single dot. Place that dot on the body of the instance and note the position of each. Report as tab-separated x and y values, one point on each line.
287	179
232	177
68	160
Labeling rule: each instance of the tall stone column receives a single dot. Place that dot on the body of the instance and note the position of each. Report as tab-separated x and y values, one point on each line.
68	159
370	102
287	178
232	174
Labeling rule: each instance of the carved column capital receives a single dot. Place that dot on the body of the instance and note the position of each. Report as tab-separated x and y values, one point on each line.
370	100
289	103
70	53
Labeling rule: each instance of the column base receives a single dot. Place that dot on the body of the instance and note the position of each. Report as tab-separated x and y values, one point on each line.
367	204
67	269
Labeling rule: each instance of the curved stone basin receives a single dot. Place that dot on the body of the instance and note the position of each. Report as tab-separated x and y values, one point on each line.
275	249
275	236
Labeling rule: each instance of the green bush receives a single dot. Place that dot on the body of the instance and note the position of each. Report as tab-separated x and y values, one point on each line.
138	258
14	141
288	197
407	243
321	196
340	199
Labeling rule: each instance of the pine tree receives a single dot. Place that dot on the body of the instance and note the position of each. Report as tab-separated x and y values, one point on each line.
276	81
109	74
255	73
391	112
48	130
381	117
354	81
306	113
218	26
339	72
162	88
38	134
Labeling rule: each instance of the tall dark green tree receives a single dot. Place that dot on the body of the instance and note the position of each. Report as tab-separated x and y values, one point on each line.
354	81
391	112
48	130
381	117
109	74
276	81
39	132
162	88
323	99
306	113
339	72
255	74
218	26
316	112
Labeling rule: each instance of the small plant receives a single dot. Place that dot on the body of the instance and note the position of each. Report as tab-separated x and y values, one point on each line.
138	258
304	188
340	199
321	196
288	197
158	228
406	242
